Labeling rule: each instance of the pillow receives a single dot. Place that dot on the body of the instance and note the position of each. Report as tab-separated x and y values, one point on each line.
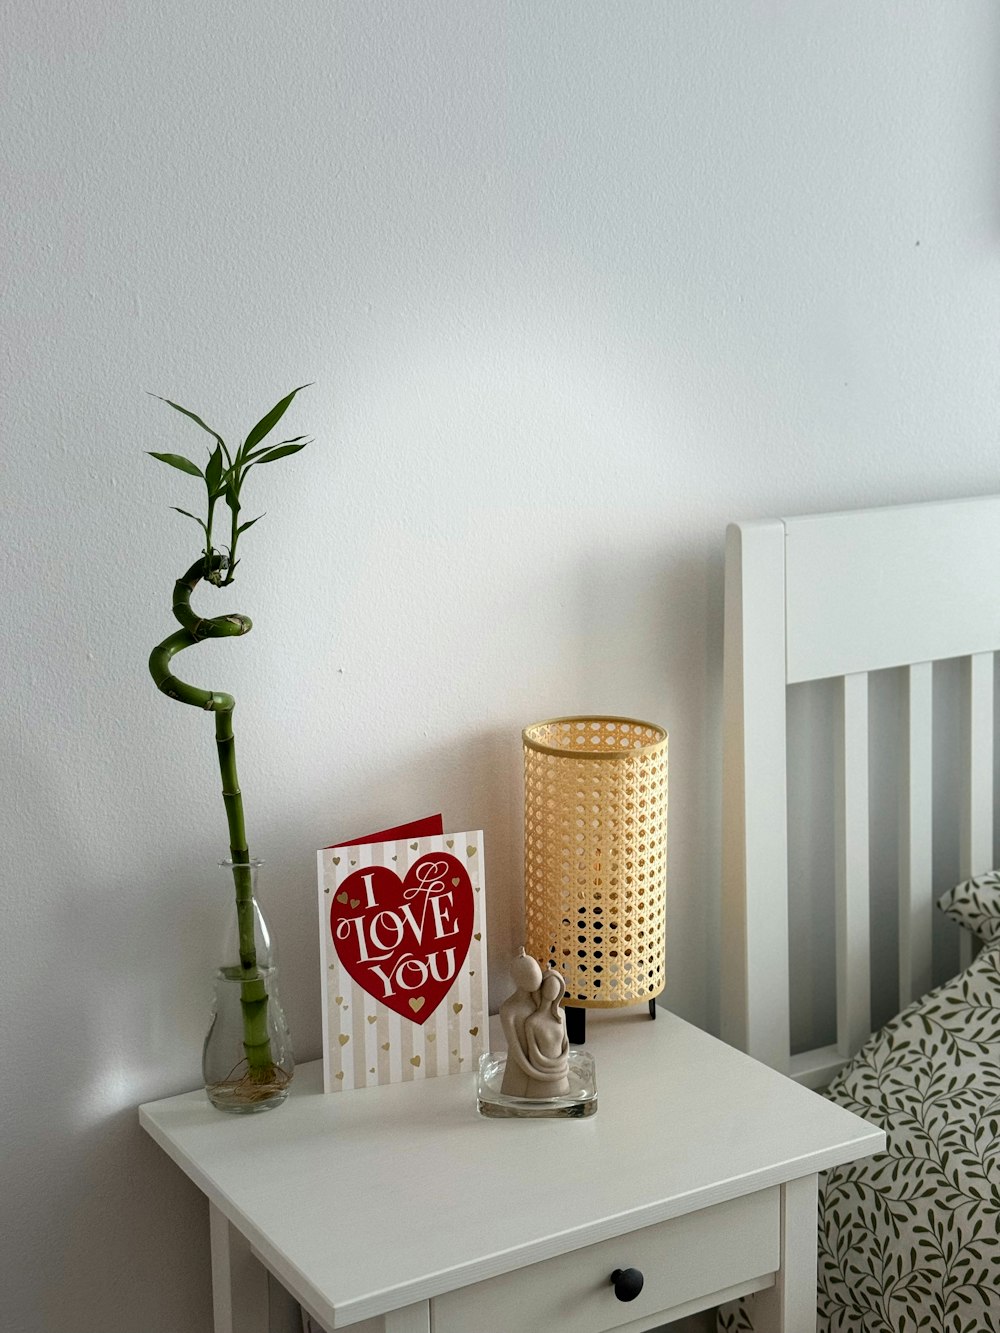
975	904
908	1238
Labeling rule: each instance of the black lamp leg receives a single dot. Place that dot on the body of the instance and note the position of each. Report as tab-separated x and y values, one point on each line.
576	1025
576	1022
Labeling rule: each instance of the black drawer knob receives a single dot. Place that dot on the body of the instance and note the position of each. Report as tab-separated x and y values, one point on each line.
627	1283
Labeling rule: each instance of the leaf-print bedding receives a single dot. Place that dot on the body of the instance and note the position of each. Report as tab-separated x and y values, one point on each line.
910	1239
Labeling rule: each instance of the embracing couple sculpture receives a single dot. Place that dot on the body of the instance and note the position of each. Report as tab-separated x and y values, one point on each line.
535	1028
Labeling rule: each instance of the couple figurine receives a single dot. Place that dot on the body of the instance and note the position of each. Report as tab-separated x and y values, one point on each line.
535	1028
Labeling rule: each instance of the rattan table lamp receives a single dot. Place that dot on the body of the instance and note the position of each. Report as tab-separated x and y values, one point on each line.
595	859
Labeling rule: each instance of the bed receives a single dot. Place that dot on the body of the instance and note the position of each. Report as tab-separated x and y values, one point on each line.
910	594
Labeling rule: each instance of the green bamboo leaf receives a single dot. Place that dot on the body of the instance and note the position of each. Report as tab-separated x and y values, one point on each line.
267	422
175	460
279	451
243	526
196	419
213	472
200	521
296	439
232	493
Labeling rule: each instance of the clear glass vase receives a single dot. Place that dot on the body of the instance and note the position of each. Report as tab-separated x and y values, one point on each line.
247	1061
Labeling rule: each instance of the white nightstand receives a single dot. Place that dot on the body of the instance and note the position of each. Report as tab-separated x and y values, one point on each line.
401	1210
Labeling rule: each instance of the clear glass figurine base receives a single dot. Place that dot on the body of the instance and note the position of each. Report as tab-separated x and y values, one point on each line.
581	1100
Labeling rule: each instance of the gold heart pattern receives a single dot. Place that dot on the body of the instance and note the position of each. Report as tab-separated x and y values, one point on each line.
431	1031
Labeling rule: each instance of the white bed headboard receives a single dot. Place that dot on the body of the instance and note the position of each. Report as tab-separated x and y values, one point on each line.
843	595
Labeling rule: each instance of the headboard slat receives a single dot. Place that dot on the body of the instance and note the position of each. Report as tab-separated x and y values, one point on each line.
977	741
916	789
976	844
851	872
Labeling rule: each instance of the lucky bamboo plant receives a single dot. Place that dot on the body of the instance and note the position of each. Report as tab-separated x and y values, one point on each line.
224	476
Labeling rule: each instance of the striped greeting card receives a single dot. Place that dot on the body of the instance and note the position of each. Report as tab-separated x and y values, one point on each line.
403	922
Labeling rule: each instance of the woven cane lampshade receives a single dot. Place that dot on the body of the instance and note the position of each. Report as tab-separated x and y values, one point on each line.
595	856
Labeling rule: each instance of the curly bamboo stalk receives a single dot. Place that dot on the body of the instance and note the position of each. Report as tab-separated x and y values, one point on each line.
194	629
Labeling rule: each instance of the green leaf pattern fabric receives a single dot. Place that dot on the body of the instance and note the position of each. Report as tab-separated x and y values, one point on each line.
975	904
910	1239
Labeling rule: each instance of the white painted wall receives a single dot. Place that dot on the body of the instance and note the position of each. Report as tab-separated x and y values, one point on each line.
577	283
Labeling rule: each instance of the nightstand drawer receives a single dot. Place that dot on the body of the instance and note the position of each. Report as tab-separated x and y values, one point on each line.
681	1261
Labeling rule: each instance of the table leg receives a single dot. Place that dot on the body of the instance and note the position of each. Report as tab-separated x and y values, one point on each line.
790	1305
411	1319
239	1280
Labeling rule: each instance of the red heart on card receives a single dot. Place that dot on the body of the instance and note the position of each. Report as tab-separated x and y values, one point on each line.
404	940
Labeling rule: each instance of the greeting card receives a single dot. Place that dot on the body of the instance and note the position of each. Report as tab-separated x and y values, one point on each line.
403	925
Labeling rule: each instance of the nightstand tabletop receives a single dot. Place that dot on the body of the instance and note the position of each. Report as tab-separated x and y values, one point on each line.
367	1201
